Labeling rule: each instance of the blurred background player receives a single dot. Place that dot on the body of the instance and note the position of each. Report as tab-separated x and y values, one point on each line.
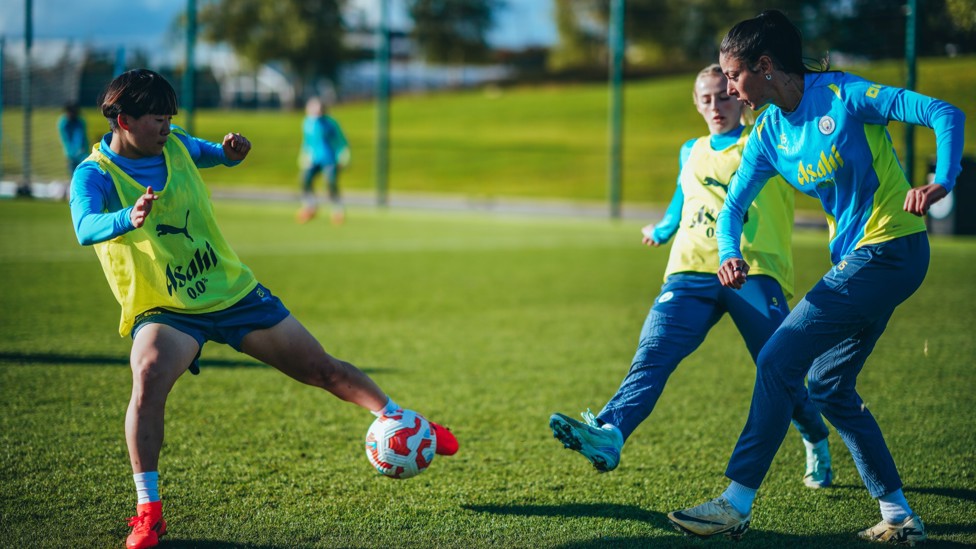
326	151
825	132
140	201
692	299
73	133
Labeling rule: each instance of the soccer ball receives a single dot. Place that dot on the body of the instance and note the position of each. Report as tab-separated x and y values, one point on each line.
400	445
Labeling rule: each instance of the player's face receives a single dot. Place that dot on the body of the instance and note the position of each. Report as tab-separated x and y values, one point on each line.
720	110
144	136
744	84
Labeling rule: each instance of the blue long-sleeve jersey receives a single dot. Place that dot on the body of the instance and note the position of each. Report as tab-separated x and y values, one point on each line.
835	147
96	210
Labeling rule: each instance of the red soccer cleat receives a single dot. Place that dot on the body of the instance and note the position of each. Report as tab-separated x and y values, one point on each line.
447	444
147	526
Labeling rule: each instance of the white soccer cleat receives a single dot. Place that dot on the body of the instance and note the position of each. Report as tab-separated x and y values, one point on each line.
907	532
711	518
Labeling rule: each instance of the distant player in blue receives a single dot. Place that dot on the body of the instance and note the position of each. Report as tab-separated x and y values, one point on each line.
326	151
692	299
74	138
825	133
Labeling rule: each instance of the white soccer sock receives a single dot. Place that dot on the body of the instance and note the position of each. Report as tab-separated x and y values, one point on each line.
388	409
147	486
741	497
894	507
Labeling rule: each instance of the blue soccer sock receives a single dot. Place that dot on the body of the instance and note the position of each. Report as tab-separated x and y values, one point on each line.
147	486
741	497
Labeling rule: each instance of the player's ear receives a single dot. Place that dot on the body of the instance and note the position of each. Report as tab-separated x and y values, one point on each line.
123	121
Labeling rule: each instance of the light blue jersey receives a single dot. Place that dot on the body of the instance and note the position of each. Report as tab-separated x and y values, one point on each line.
835	147
322	140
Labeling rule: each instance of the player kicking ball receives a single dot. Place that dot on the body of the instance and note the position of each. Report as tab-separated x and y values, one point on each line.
140	201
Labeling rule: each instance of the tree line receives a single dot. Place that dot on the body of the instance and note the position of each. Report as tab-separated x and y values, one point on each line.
308	35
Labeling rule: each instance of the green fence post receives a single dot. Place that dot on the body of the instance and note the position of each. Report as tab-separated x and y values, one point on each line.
25	187
616	39
383	105
911	24
2	43
189	75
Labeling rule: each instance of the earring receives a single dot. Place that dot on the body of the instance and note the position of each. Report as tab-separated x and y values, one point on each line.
769	76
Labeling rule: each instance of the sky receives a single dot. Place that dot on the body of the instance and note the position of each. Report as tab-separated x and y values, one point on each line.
146	24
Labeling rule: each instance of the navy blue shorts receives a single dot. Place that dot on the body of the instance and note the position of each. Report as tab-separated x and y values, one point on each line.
258	310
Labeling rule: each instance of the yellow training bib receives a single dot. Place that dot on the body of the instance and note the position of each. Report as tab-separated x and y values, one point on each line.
768	230
178	260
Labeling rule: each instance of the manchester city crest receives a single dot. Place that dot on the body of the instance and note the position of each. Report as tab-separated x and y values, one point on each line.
827	125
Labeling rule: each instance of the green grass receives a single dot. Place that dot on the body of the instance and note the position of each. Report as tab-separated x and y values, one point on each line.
530	142
487	324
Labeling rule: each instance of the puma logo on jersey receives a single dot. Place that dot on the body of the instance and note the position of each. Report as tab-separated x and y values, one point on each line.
709	182
163	229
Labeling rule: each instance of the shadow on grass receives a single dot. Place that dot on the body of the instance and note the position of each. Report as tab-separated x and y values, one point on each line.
757	538
63	359
598	510
210	544
963	494
58	359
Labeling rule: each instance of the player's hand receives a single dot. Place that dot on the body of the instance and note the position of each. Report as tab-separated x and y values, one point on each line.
733	273
920	199
236	146
142	207
648	234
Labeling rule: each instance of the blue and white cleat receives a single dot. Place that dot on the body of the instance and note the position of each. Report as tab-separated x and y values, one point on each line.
599	444
818	473
711	518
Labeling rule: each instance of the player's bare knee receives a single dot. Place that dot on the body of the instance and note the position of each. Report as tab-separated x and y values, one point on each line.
149	374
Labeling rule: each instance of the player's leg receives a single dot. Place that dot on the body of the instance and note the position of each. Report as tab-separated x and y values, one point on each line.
780	370
675	326
758	309
160	354
850	304
290	348
309	201
877	279
335	199
850	298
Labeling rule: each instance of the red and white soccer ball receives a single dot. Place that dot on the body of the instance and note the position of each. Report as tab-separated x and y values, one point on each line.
401	445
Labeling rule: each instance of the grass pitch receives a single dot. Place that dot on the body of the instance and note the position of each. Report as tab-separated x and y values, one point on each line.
487	324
